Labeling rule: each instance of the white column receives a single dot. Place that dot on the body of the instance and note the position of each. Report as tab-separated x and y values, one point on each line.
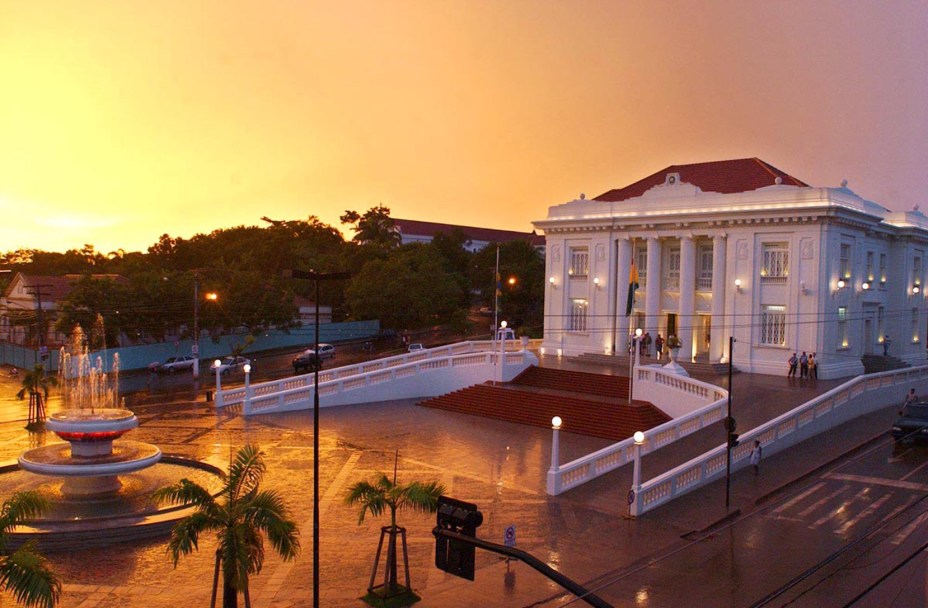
652	305
685	326
718	332
623	268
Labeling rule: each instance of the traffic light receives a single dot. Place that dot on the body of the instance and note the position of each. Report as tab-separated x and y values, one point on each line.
731	425
451	555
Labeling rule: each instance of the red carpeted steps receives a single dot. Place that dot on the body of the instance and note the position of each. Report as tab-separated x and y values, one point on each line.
588	404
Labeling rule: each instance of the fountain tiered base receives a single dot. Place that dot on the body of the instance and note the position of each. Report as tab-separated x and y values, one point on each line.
88	463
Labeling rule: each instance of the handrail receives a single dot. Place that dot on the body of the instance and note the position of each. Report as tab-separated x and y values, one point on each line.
586	468
856	397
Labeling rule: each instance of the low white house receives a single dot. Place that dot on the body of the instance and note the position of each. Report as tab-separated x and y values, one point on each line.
737	249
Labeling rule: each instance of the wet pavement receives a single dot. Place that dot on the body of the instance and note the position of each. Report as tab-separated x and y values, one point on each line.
499	466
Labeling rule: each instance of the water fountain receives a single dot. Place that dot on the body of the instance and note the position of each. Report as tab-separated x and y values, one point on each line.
99	484
88	462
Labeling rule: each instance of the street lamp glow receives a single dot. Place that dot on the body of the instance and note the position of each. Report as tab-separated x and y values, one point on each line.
503	324
638	332
512	280
638	437
216	364
247	368
556	422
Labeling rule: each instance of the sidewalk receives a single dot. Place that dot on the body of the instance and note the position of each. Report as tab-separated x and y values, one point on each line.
499	466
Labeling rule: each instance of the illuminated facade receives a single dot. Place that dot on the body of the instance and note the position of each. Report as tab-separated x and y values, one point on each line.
737	249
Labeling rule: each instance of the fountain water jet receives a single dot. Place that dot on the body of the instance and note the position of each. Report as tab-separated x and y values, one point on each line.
92	420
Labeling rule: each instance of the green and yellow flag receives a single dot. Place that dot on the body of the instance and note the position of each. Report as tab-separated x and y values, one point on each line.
632	286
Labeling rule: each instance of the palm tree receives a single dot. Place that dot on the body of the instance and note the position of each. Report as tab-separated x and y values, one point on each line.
383	494
25	573
240	518
36	383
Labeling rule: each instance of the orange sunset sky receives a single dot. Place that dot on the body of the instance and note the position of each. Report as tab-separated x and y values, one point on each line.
122	120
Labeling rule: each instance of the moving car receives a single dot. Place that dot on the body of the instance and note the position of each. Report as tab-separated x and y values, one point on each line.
307	361
912	425
415	346
172	364
326	351
232	364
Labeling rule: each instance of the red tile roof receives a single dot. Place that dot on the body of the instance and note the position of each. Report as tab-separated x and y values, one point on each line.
57	288
490	235
723	176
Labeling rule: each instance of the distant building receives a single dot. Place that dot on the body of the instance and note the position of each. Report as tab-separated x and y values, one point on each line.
738	249
306	311
30	301
414	231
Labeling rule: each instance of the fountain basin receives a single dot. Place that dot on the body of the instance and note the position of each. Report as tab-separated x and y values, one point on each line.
91	433
89	475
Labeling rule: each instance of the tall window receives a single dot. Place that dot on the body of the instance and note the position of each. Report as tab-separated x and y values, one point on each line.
776	262
917	270
842	327
882	270
869	265
673	269
579	262
577	319
914	325
641	260
773	325
844	262
704	269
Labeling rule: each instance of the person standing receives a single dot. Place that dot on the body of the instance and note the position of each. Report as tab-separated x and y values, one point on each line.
813	367
804	365
910	398
756	454
659	346
793	362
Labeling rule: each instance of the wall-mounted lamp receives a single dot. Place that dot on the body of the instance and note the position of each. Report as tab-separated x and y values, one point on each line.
738	285
865	285
551	281
841	283
802	287
915	289
596	281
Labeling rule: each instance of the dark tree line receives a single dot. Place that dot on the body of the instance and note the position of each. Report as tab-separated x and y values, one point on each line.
405	287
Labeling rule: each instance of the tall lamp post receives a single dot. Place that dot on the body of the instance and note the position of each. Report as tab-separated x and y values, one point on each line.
316	277
731	438
195	347
631	369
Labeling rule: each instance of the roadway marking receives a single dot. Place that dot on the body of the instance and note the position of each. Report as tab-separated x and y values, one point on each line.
786	505
841	510
822	501
864	514
880	481
907	531
914	471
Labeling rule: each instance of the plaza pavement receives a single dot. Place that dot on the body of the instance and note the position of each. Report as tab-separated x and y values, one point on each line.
499	466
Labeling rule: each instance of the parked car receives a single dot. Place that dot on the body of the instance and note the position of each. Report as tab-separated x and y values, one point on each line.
307	361
172	364
416	346
912	425
326	351
232	364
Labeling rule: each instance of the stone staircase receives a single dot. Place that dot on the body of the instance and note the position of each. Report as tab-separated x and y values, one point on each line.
589	404
878	363
702	366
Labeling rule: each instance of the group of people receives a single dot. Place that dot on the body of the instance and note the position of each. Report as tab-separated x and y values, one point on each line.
645	341
806	364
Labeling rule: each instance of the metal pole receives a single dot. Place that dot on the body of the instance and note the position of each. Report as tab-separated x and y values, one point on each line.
316	455
496	292
196	326
731	346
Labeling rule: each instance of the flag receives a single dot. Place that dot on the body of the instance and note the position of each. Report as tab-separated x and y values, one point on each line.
632	286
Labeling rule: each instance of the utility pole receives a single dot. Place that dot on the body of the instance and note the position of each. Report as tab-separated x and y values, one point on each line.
36	290
731	437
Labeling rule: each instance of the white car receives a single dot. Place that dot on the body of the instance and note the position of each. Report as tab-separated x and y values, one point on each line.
416	346
173	364
326	351
231	363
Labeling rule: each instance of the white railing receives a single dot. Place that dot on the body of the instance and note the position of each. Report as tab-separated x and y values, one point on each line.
859	396
586	468
466	363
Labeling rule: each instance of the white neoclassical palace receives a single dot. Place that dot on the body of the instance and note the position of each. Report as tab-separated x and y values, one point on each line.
738	249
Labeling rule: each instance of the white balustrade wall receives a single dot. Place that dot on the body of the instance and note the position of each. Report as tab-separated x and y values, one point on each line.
707	404
426	373
857	397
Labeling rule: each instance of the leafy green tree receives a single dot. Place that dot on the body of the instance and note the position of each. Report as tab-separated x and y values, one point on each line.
409	289
522	301
36	384
25	573
240	518
375	227
381	495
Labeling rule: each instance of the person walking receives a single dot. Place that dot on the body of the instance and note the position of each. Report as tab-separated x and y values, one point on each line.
793	362
756	454
804	365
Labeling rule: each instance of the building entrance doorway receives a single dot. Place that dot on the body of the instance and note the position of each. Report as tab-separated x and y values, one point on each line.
701	333
671	324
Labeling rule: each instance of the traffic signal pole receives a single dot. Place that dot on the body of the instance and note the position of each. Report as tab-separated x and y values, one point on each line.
581	592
